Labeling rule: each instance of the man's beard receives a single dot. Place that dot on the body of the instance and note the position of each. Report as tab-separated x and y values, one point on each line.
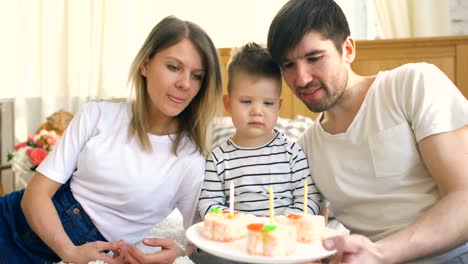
329	100
323	104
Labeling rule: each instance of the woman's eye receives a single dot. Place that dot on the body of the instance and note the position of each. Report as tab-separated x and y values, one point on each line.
172	67
198	77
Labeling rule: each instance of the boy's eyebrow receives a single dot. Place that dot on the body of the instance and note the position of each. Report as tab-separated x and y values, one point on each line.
262	98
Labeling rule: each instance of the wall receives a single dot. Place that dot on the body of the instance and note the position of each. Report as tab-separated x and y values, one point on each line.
458	17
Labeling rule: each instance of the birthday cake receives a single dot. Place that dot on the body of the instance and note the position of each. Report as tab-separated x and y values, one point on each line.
266	236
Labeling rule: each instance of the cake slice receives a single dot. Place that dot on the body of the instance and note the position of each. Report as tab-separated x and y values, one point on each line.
220	226
270	240
310	228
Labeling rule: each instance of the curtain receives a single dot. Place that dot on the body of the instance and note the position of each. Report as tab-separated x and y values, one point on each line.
411	18
58	54
360	18
54	59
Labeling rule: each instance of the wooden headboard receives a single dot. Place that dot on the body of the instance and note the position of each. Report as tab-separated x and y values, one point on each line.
450	54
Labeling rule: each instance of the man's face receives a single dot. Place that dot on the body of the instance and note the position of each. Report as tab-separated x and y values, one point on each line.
315	71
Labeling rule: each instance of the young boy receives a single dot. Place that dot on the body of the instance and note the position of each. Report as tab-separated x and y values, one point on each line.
257	156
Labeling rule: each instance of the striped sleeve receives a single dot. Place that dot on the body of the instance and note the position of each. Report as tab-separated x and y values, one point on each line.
212	193
300	174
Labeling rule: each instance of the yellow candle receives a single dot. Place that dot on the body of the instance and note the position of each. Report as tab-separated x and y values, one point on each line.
272	206
231	199
304	211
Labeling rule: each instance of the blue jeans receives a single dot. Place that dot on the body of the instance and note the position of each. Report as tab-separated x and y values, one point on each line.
19	244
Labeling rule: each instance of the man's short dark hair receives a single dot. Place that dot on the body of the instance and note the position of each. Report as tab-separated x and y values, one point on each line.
298	17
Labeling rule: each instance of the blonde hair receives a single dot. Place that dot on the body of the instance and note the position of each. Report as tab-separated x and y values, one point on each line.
196	118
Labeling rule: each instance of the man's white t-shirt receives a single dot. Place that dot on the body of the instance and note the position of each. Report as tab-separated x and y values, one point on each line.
373	174
124	190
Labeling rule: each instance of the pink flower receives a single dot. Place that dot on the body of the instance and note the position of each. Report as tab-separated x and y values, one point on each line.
21	145
28	155
37	155
40	142
48	137
53	140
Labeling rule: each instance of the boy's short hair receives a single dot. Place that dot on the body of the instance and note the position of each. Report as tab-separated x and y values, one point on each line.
255	60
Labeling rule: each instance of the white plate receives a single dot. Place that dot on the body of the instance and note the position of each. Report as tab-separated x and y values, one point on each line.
236	250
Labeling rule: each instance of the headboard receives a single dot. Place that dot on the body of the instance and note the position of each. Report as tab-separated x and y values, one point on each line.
450	54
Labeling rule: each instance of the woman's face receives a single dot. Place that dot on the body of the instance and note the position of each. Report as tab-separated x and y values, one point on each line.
173	76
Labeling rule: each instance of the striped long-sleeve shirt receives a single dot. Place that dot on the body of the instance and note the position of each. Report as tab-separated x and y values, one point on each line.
279	163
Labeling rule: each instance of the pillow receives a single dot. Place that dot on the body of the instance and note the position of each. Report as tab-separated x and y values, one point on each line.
223	128
293	128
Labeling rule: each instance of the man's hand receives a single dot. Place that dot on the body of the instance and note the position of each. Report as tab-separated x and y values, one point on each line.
169	252
353	249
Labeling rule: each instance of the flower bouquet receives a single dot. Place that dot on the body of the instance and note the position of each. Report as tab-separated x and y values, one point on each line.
29	154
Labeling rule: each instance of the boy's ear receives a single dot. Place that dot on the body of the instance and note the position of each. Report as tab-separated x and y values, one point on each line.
144	68
227	103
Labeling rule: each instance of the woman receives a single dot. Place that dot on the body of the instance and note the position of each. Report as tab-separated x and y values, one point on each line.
122	167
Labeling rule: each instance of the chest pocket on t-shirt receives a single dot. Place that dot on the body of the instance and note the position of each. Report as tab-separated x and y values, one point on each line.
394	151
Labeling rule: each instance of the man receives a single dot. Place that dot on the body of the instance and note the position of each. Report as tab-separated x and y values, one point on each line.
388	151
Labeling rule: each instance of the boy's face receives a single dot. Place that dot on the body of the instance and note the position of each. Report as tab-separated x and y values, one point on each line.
254	106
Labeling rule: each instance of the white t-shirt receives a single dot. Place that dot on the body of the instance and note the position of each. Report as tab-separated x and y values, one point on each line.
124	190
373	174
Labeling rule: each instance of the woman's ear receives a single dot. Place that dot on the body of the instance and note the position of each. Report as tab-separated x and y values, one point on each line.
227	103
144	68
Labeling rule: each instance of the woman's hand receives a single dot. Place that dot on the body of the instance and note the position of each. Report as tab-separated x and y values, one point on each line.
169	252
93	251
353	249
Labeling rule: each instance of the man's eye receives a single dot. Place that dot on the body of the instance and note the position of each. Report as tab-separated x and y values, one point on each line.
286	66
313	59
